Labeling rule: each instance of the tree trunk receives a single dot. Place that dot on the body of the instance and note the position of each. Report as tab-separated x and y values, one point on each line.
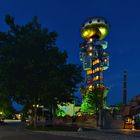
100	117
35	114
51	114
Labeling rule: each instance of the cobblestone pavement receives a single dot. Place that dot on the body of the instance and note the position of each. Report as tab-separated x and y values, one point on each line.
102	134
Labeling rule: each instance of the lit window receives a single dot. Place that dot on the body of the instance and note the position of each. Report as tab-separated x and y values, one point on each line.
90	54
90	48
98	61
97	69
90	40
97	77
105	60
89	72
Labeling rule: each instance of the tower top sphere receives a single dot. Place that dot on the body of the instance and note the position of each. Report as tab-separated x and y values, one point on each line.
96	27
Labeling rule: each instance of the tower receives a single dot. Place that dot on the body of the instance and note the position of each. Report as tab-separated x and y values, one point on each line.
95	59
124	88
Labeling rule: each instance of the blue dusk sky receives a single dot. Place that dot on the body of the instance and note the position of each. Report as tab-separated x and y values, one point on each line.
66	16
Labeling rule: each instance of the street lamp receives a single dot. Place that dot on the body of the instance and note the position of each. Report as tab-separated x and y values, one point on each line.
94	58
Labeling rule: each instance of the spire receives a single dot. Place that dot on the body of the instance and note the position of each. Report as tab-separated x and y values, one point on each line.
125	89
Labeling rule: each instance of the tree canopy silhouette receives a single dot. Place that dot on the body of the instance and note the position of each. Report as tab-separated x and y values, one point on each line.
32	68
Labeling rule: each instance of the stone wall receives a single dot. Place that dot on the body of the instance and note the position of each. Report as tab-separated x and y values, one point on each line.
78	121
89	122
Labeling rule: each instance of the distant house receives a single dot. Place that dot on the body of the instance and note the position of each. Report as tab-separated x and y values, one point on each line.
132	109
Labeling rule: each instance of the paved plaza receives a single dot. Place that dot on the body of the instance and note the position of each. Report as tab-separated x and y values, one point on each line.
102	134
17	131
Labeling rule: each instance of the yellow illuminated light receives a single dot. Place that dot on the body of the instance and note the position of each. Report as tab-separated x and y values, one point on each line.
103	30
91	33
90	88
97	77
129	120
89	72
85	33
101	69
90	47
105	60
90	54
90	40
97	69
97	61
88	33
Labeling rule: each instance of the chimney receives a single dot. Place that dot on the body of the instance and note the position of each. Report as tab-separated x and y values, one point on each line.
124	89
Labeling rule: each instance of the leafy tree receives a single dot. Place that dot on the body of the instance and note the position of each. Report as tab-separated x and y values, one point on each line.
60	113
88	105
6	108
32	68
91	100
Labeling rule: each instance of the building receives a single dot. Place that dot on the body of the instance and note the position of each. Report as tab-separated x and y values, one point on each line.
132	111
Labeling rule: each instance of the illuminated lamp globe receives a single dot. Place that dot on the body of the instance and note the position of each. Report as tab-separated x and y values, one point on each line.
96	27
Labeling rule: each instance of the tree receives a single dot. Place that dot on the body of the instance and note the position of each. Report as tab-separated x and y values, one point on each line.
88	105
32	68
6	108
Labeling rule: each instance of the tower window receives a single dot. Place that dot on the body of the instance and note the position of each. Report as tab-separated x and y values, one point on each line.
90	21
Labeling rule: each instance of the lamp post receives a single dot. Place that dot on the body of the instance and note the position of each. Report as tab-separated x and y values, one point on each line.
95	60
35	106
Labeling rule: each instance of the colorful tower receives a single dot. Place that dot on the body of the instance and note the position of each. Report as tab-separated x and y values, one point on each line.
94	57
92	52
